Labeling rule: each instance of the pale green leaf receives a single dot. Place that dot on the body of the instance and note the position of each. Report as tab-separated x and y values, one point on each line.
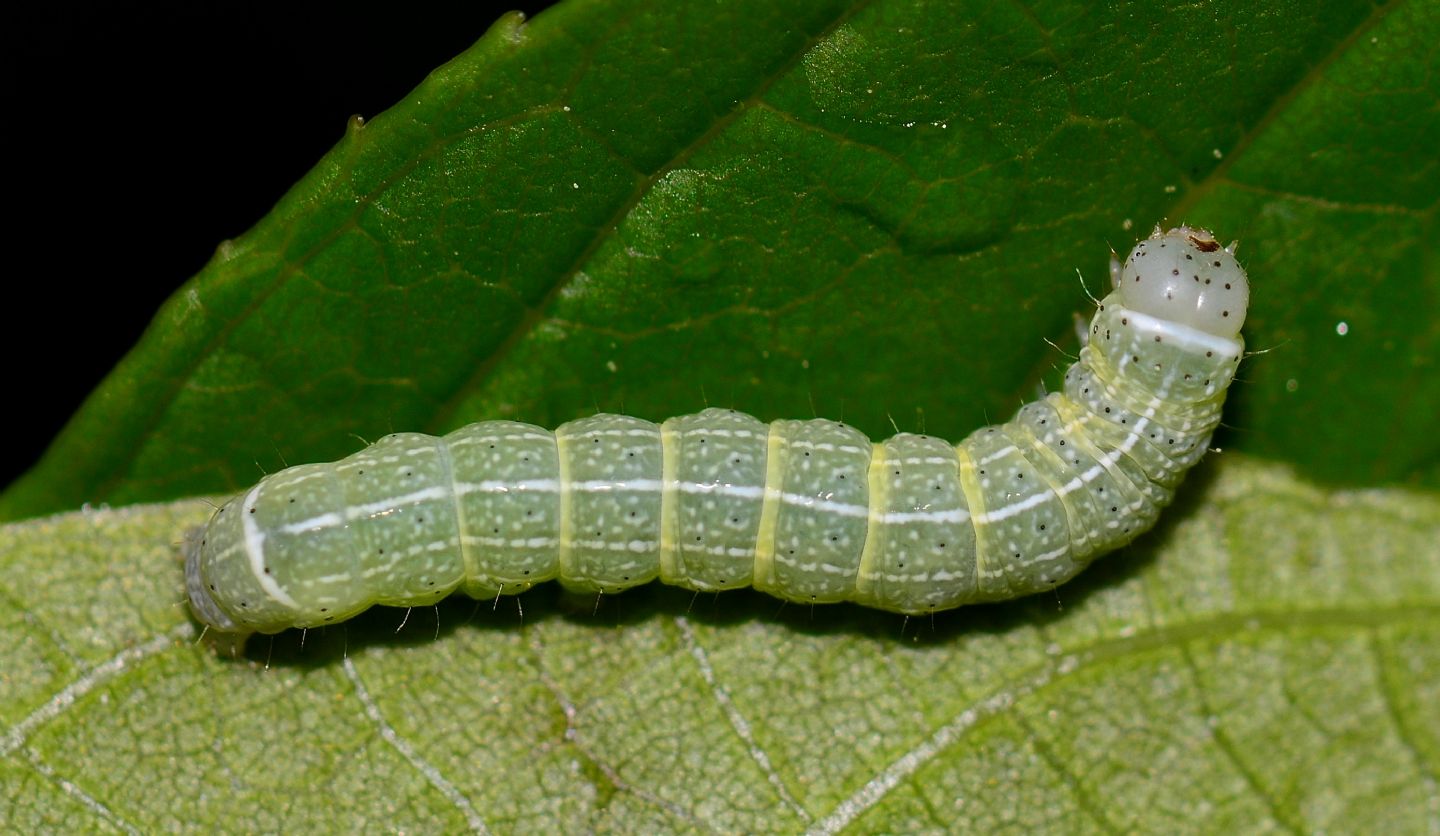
1266	660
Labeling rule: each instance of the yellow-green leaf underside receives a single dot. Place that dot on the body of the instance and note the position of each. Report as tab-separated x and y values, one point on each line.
1265	659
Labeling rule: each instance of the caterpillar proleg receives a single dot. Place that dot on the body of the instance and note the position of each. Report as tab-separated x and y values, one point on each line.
808	511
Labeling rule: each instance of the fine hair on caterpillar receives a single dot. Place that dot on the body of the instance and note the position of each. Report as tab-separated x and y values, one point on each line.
807	511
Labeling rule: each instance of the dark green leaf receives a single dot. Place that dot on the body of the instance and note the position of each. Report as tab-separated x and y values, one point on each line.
868	211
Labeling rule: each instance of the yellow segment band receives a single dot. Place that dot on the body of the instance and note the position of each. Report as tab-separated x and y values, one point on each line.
865	587
672	569
567	559
770	509
975	498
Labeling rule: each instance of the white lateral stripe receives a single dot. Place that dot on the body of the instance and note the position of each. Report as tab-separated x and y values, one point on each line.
331	519
357	512
1190	339
255	538
828	506
1011	510
999	454
950	515
255	550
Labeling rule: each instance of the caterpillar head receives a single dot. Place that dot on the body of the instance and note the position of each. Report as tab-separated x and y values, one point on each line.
1184	276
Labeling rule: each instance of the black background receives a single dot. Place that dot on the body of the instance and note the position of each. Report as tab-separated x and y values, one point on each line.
139	136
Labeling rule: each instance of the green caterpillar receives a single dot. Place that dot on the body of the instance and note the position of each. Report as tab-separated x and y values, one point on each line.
808	511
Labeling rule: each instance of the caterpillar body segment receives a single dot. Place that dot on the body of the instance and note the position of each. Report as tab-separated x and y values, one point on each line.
808	511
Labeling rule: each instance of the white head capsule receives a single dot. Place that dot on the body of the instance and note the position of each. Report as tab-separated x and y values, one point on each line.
1186	277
